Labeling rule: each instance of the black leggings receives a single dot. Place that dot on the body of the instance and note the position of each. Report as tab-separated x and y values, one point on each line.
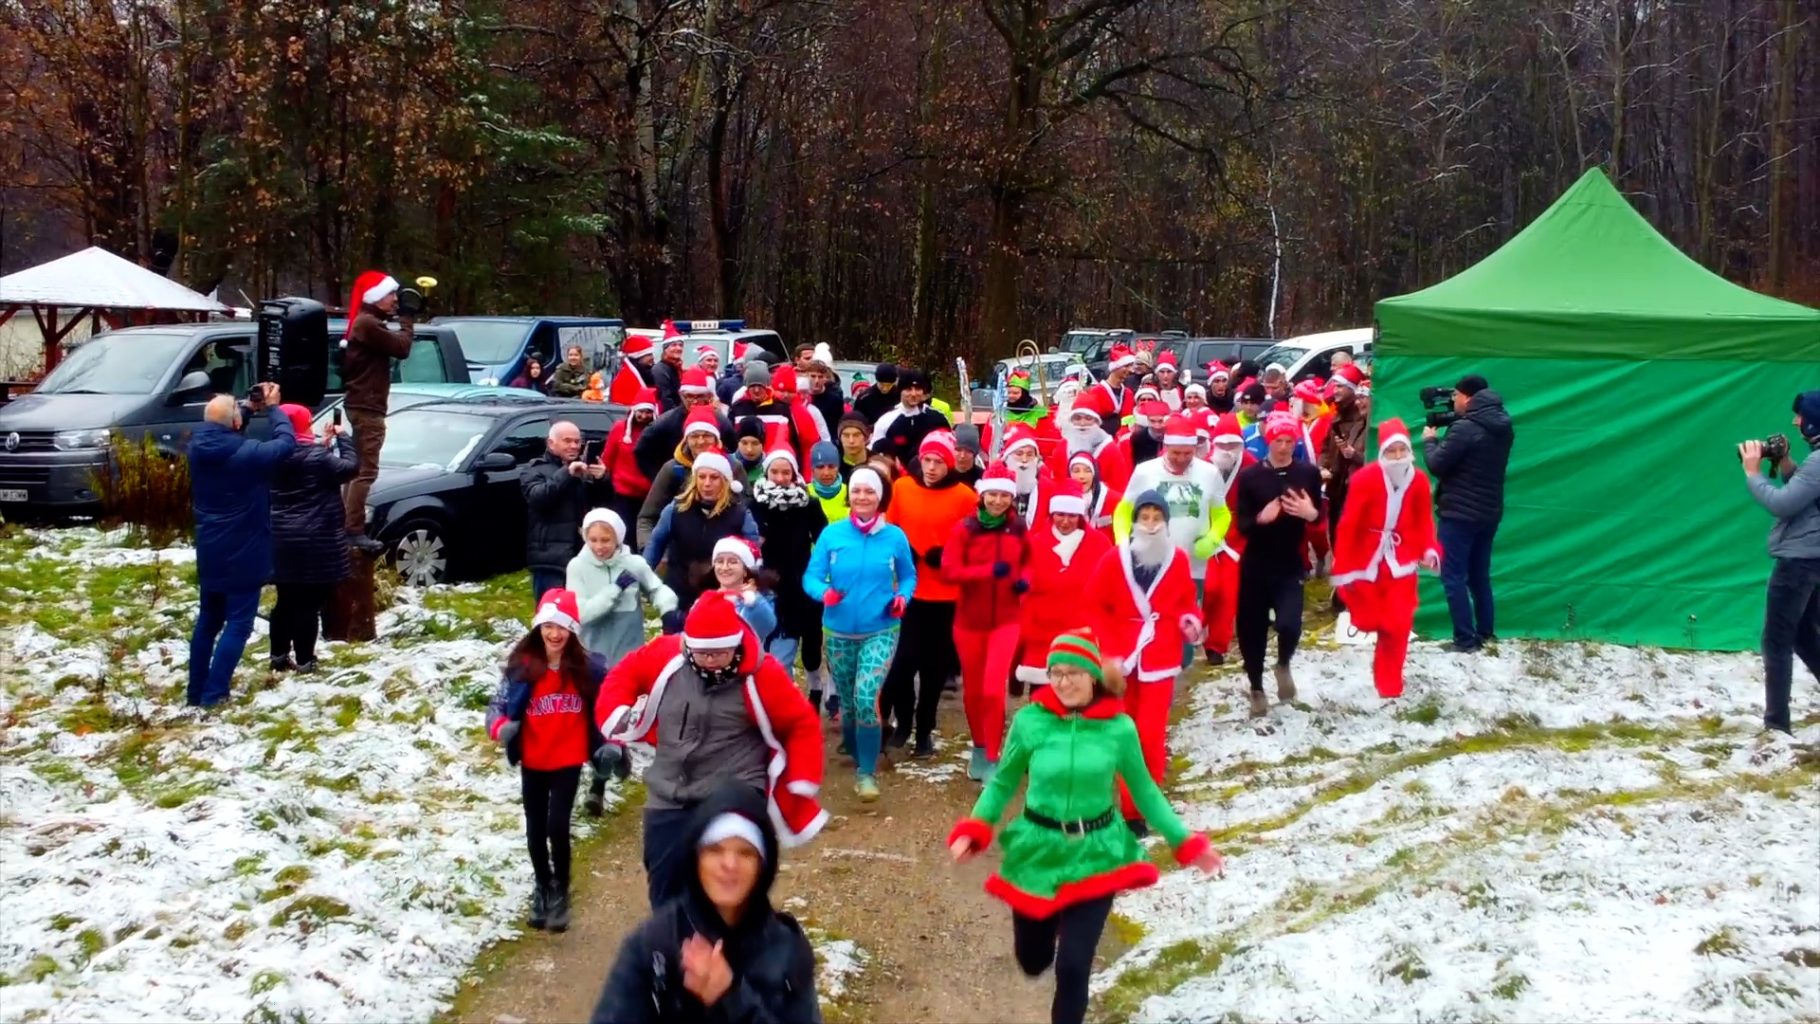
925	651
549	802
811	649
295	617
1260	594
1066	939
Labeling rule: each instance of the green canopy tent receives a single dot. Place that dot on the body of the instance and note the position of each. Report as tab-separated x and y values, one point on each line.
1630	372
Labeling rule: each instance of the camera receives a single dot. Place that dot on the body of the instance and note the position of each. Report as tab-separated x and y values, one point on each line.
411	302
1775	447
1437	404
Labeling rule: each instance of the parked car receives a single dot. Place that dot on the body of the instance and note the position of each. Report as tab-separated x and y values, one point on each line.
1195	353
1081	340
148	381
1311	355
1054	366
447	502
1100	354
723	335
404	396
498	347
846	371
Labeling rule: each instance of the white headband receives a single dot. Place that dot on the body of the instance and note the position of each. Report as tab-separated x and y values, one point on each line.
866	475
728	825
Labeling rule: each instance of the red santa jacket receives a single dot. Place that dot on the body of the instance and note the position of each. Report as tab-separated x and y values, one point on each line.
622	468
1053	604
1144	626
1383	533
1314	435
634	689
987	601
1036	506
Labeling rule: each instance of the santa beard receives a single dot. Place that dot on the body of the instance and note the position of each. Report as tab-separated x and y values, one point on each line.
1150	548
1025	475
1398	471
1084	439
1225	461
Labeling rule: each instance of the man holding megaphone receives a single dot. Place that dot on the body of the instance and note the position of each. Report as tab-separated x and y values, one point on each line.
366	371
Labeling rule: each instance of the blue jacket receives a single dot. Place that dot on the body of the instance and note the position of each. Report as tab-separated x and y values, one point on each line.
867	570
230	494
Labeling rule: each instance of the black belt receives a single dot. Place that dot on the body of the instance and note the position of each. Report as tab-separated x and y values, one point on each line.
1079	827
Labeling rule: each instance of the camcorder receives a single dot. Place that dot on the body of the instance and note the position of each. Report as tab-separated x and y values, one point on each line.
1437	404
1775	448
413	301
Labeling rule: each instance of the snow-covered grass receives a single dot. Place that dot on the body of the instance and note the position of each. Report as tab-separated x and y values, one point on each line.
1545	832
332	847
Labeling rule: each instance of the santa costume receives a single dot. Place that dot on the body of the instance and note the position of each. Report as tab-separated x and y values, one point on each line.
1145	610
1220	588
1170	393
633	374
1386	532
1059	570
1031	482
1112	404
1100	500
984	559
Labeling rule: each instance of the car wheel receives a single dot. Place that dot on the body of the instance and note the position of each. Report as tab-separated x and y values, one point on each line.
419	554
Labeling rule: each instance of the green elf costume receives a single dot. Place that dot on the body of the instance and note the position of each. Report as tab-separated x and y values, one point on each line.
1070	852
1020	405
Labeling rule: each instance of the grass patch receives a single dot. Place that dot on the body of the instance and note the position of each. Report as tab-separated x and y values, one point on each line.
309	911
1428	712
1510	986
1723	942
1173	965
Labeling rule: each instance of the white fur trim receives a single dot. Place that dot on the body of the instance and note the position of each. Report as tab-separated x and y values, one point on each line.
784	454
1128	359
1031	674
732	826
737	547
1068	504
714	461
803	787
774	769
385	287
1169	439
995	485
551	613
1393	439
699	427
714	643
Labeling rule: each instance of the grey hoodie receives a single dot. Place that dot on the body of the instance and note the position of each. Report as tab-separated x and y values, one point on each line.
1796	506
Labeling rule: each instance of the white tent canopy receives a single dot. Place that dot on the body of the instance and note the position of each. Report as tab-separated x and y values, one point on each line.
97	279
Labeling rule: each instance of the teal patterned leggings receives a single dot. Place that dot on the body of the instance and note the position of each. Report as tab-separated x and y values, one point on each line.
858	665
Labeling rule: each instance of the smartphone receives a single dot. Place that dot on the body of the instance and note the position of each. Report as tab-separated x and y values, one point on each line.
337	419
588	451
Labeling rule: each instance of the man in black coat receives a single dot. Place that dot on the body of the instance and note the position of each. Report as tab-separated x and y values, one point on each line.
881	397
900	431
559	489
658	443
1469	464
824	394
667	375
1273	503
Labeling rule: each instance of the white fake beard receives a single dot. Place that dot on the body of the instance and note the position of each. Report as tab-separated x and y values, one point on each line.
1025	473
1150	547
1225	461
1398	471
1083	439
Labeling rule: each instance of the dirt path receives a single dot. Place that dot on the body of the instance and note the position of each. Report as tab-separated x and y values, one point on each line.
939	949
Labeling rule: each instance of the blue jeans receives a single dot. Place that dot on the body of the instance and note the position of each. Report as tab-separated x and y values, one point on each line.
784	649
1466	577
667	856
227	614
543	580
1791	627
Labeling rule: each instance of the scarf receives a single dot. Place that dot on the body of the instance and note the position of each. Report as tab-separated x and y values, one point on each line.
773	495
991	522
867	526
1067	544
826	490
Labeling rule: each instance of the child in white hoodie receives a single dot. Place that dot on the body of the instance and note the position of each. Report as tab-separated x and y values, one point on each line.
609	579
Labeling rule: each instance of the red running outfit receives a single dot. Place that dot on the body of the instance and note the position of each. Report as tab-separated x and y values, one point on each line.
1143	627
1385	531
1060	572
985	617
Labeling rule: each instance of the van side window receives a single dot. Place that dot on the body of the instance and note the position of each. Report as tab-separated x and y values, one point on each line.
228	363
1318	366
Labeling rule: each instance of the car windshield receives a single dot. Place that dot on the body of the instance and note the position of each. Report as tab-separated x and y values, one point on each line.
489	342
121	364
1079	341
1284	355
431	438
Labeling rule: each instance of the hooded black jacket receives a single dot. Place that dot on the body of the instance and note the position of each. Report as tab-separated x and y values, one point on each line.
1469	462
657	445
772	961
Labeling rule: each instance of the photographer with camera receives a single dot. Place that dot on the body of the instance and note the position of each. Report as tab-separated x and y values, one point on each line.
1791	614
366	373
1469	465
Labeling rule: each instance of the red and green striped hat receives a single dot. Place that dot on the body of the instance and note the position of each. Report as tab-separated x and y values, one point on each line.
1078	648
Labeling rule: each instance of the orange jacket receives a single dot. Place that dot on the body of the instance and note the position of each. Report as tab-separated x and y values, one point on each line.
927	515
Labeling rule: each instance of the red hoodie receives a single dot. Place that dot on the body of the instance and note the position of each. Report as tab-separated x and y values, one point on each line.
986	601
556	725
622	468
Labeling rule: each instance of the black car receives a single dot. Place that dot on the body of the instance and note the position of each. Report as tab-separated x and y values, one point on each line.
1195	353
447	502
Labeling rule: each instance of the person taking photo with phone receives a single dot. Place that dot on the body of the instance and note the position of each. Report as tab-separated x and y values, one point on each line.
559	486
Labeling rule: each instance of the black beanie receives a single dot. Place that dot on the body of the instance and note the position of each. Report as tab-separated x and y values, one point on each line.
886	373
1471	384
750	426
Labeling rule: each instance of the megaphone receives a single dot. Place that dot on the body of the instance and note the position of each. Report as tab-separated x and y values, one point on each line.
411	301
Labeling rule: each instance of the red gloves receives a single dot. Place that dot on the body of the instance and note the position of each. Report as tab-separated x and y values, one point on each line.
896	608
831	597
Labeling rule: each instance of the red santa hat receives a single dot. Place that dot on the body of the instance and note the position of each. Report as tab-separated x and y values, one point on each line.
1390	432
997	478
1167	359
1309	391
939	443
695	382
701	420
1084	406
672	336
1217	370
1195	389
559	606
784	379
1179	430
1019	435
1120	357
1281	424
703	353
1068	505
636	345
1347	375
740	548
1228	431
1149	393
1153	408
1083	457
369	286
646	399
713	623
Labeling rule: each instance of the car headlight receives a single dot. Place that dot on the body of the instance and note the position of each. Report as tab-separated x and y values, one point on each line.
76	440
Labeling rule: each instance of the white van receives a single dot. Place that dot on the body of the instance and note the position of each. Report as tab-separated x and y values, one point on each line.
1311	355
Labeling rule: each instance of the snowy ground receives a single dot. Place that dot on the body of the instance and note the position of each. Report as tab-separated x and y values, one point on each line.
1551	832
335	847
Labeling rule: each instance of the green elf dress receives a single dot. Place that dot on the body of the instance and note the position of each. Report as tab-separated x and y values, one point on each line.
1070	844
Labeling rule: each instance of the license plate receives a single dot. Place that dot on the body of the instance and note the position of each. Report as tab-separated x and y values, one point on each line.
12	494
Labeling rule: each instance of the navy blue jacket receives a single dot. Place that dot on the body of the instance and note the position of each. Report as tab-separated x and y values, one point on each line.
230	495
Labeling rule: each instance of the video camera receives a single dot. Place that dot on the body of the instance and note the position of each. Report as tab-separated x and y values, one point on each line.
1437	404
1775	448
413	301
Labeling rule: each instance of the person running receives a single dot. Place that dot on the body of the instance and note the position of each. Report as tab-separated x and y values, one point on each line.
629	483
1194	490
828	481
927	512
1146	608
718	952
738	574
1220	589
1386	532
714	708
790	519
1064	859
543	716
687	530
1061	561
863	572
700	434
985	558
1277	499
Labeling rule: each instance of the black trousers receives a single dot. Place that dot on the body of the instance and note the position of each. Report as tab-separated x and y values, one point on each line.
925	659
1791	628
296	616
549	799
1261	592
811	649
1067	940
668	860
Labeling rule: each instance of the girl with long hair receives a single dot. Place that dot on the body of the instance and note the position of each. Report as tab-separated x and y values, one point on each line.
702	515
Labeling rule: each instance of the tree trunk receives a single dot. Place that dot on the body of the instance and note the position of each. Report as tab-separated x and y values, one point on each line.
1004	270
350	613
1781	154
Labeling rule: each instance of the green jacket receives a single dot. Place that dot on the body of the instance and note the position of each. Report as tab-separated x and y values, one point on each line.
568	381
1073	759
